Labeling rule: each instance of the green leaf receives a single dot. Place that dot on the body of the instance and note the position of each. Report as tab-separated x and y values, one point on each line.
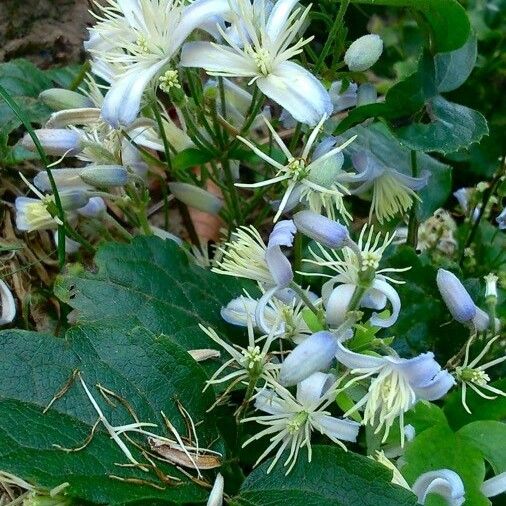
332	478
489	438
64	76
384	146
447	19
440	448
189	158
425	415
451	127
148	371
481	409
453	68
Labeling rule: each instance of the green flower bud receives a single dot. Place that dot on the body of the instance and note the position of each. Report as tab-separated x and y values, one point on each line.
364	53
105	176
59	99
196	197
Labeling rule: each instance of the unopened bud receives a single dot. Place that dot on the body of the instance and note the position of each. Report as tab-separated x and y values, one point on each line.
196	197
94	208
312	355
105	176
457	299
364	53
65	179
65	118
8	308
328	232
73	199
57	142
491	285
59	99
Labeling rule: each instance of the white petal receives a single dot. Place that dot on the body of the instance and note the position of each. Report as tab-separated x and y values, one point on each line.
279	266
437	388
216	58
123	100
8	304
237	311
279	15
282	234
268	401
310	391
419	370
338	303
298	91
392	295
494	486
198	14
216	495
312	355
374	299
354	360
443	482
344	430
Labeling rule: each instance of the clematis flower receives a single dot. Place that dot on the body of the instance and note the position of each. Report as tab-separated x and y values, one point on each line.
358	266
501	219
393	193
313	177
472	375
287	315
138	39
396	385
261	49
291	420
494	486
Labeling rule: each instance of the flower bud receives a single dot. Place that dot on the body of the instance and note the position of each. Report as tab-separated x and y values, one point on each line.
312	355
73	199
455	296
94	208
65	179
57	142
196	197
59	99
491	285
105	176
8	305
65	118
328	232
366	94
364	52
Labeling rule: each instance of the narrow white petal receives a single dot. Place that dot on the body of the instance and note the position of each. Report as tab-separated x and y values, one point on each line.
354	360
494	486
216	495
443	482
298	91
338	303
345	430
437	388
8	304
278	17
392	295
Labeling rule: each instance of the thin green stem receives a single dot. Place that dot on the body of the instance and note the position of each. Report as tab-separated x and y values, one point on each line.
166	144
303	295
85	68
412	238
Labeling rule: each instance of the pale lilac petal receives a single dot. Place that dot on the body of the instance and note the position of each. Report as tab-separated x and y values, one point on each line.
298	91
216	58
415	183
342	429
216	495
457	299
391	294
123	100
344	100
328	232
238	310
279	266
494	486
8	305
443	482
278	17
354	360
419	370
310	391
282	234
481	320
292	202
374	299
312	355
338	303
269	402
437	388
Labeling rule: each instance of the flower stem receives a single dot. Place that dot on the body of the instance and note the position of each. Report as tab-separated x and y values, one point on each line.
303	295
412	238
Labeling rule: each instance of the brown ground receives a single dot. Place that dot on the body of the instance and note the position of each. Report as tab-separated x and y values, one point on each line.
47	32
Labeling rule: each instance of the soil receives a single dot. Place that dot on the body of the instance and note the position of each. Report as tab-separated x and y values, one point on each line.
47	32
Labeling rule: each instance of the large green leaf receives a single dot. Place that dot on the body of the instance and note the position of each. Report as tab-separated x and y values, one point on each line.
151	283
333	478
384	146
440	448
149	372
447	18
489	438
451	127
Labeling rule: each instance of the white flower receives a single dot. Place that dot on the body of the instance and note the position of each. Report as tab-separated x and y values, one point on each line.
397	385
312	177
291	420
393	192
135	40
358	267
288	315
472	375
8	307
262	53
250	364
216	495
